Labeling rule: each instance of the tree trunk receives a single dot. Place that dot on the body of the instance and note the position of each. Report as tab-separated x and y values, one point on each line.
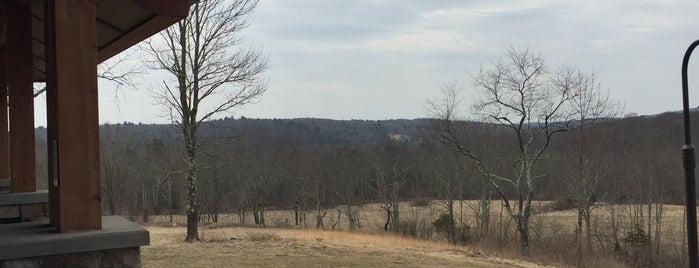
112	209
319	222
578	238
588	231
261	210
523	228
484	207
296	215
192	215
395	225
388	219
451	231
255	215
352	222
144	200
171	204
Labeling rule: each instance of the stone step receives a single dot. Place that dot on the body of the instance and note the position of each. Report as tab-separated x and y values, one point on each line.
4	186
19	207
33	244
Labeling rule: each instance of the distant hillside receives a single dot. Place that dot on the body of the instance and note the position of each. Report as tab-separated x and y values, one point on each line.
302	131
328	132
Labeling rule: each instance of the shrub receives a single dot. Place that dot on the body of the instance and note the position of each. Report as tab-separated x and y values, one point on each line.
638	244
445	226
417	228
637	237
262	237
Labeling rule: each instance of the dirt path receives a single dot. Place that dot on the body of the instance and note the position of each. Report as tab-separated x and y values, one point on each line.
250	247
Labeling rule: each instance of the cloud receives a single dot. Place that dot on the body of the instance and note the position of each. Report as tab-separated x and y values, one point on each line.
413	40
483	9
422	40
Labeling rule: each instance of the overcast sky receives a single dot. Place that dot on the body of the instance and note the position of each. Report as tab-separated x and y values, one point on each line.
382	59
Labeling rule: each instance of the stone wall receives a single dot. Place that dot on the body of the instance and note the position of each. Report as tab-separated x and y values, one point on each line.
123	257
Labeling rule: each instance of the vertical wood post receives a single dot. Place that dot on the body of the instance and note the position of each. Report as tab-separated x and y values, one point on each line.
21	95
51	135
73	114
4	135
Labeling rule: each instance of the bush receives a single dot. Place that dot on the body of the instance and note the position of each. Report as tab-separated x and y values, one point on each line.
637	237
262	237
417	228
445	226
638	245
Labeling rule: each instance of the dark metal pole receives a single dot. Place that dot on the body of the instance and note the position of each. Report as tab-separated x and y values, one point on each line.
689	164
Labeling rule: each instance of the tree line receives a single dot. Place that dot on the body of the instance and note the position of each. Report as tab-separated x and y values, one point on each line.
256	170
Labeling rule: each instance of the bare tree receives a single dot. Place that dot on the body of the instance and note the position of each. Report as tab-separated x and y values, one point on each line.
586	161
112	156
388	174
119	70
520	96
347	190
211	75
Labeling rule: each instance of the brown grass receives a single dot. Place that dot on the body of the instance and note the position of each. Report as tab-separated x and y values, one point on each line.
252	247
552	233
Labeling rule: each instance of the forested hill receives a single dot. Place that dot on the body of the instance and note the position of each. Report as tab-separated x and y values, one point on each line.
634	153
322	132
300	131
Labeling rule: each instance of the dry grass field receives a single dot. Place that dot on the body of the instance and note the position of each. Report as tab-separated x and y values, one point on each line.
271	247
372	218
552	238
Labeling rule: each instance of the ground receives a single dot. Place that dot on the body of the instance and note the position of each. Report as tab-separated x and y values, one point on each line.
255	247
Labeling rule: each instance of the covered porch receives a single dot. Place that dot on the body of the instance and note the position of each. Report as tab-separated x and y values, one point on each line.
60	43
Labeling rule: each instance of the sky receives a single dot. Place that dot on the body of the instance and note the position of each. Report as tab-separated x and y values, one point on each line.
383	59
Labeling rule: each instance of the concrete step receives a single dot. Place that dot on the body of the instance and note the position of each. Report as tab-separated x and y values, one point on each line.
4	186
35	244
19	207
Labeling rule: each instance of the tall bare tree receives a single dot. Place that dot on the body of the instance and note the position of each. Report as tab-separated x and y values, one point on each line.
587	164
389	179
519	95
211	74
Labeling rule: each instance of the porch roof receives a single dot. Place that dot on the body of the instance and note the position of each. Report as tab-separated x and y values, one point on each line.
120	25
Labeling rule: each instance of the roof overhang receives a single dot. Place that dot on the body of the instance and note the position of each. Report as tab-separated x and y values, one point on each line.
120	25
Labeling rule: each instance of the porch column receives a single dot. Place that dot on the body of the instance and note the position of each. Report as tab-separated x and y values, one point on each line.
4	135
21	94
73	125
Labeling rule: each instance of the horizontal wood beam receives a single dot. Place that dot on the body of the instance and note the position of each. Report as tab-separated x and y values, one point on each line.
167	8
166	13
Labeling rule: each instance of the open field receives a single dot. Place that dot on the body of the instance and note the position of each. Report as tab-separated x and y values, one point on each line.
552	233
543	221
271	247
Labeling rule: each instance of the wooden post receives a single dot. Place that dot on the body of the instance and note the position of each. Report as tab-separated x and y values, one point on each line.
4	135
51	135
73	114
21	95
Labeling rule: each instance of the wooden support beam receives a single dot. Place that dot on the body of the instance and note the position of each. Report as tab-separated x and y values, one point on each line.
21	95
73	115
51	135
4	135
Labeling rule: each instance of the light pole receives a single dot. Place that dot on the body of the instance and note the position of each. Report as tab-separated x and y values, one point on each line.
689	164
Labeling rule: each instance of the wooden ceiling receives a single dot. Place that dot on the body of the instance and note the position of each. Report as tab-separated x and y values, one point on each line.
120	25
